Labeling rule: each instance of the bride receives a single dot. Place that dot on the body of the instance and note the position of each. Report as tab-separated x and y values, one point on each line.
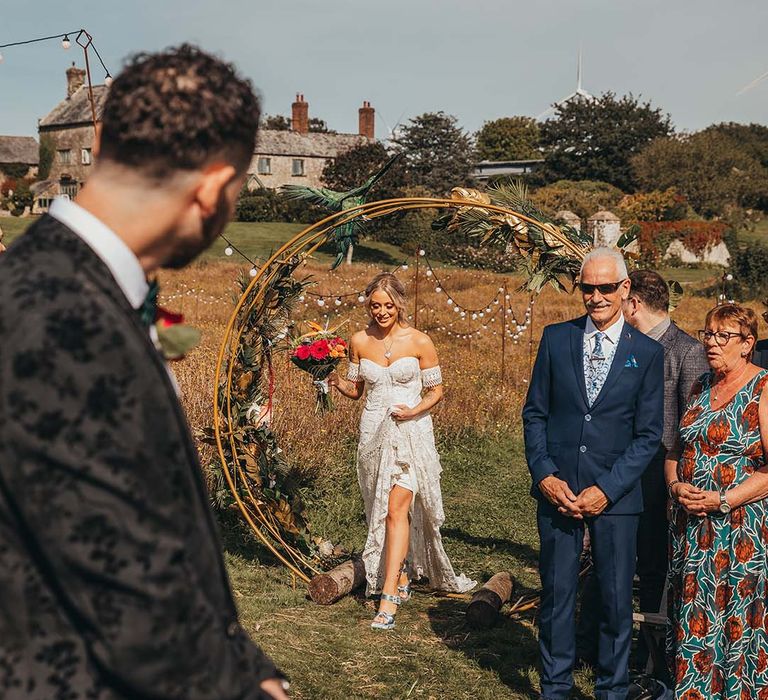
398	467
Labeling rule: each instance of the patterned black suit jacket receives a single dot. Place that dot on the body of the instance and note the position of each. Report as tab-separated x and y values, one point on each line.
684	362
112	582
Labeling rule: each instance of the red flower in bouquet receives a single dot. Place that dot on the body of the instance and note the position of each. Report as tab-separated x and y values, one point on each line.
301	352
319	349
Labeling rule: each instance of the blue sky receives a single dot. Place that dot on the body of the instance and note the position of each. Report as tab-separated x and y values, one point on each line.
477	59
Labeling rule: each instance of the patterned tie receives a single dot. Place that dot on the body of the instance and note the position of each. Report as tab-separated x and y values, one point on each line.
596	369
148	310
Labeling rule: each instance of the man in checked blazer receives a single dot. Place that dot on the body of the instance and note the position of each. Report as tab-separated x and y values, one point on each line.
112	581
592	422
685	360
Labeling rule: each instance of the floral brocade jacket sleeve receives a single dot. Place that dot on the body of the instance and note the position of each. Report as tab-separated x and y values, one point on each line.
112	582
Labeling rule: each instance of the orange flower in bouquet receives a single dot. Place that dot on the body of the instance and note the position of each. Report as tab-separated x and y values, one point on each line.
318	353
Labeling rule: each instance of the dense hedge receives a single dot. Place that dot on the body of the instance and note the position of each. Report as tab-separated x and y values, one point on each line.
655	236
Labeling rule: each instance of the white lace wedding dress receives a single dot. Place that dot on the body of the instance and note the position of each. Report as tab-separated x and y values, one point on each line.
389	452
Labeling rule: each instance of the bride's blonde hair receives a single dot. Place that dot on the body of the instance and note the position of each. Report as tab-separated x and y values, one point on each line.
389	284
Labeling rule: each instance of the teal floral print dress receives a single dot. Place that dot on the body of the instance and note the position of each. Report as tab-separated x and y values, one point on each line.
717	639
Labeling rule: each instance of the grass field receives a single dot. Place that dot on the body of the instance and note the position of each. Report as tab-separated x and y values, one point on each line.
331	652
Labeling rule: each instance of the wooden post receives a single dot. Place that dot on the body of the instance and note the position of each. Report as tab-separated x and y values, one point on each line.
483	610
503	333
328	587
530	339
416	294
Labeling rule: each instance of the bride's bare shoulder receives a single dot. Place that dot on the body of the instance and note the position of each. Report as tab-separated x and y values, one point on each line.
358	339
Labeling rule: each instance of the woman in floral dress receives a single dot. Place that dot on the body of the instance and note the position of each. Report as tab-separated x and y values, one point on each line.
718	483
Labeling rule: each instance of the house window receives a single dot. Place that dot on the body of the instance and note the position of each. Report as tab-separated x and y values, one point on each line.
65	157
298	167
85	156
69	188
265	166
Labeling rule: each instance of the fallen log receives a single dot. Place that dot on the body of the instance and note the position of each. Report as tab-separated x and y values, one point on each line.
483	609
330	586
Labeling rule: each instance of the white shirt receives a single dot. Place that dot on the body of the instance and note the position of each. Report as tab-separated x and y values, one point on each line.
114	253
612	336
107	245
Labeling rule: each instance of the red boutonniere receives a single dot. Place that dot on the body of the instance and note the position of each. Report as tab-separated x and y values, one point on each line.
174	337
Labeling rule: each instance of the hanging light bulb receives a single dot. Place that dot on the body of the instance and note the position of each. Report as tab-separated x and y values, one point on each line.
253	272
301	298
438	289
361	299
228	251
404	266
428	273
65	42
1	57
108	80
422	252
321	301
338	301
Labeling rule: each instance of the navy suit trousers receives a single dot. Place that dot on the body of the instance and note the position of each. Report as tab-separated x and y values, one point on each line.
613	540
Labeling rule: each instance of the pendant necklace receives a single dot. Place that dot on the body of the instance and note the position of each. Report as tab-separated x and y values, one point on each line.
716	386
388	350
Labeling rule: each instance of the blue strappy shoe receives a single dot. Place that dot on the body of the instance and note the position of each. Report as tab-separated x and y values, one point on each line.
404	592
385	620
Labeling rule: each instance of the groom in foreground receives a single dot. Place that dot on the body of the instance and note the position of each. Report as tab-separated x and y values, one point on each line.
593	420
112	582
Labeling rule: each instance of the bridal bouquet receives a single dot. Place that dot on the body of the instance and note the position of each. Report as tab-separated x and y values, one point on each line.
319	353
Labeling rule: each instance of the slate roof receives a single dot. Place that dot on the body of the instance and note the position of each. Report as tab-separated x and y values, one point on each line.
271	142
19	149
76	110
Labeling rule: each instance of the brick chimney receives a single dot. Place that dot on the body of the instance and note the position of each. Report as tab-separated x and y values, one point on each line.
75	79
300	115
366	115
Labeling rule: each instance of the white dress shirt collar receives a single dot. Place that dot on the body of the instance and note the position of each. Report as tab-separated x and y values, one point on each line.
612	333
107	245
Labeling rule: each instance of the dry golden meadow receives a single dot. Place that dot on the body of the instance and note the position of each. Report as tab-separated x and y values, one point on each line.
475	401
330	652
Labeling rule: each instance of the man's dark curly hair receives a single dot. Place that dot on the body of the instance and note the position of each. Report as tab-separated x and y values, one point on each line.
179	109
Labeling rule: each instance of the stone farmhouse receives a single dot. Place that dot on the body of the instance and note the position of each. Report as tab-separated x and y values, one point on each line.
19	157
69	126
295	156
298	156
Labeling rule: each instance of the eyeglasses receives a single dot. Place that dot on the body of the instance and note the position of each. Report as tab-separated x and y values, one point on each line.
721	337
607	288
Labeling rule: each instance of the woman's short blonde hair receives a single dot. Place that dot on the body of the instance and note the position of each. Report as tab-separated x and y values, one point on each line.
389	284
741	316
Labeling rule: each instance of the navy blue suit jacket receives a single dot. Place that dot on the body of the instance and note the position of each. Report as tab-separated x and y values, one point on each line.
609	444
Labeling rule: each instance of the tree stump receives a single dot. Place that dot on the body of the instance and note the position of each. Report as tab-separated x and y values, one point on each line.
328	587
483	609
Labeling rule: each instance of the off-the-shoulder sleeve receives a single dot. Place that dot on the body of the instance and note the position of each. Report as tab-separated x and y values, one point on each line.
353	371
431	377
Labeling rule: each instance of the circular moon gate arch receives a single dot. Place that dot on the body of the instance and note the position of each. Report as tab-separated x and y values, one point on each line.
261	295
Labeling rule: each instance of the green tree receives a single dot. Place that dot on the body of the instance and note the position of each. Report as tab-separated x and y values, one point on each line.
709	168
276	122
596	139
353	167
47	153
438	154
509	138
582	198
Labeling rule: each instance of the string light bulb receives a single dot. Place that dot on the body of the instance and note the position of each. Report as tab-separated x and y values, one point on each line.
228	251
108	80
253	272
65	42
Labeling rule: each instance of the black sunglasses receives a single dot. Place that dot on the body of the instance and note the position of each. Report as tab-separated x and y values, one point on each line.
607	288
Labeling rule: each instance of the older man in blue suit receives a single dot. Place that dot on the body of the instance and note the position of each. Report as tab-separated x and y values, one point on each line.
593	420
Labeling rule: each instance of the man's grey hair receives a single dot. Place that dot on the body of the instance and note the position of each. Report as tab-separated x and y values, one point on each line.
604	252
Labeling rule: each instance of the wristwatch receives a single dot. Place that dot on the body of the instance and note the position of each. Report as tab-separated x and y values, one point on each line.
725	507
